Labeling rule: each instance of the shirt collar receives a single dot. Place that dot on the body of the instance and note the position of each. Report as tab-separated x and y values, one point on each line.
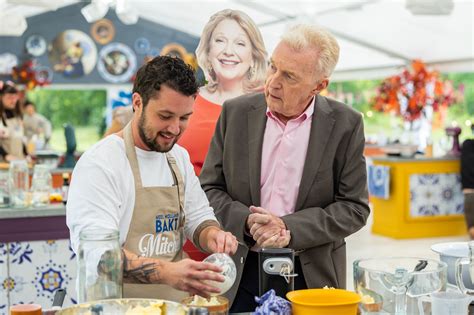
307	113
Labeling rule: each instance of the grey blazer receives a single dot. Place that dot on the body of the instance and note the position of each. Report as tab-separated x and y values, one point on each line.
332	201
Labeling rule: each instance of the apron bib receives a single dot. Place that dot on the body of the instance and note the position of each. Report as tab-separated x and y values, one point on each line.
13	144
157	225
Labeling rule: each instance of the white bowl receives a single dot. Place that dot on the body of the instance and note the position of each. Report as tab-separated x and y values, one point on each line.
449	253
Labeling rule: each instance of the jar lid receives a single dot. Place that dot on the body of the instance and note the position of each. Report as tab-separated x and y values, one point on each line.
24	309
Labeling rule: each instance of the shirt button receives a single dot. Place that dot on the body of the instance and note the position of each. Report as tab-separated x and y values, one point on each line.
242	260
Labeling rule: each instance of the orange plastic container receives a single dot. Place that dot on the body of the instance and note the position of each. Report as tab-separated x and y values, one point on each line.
26	309
323	302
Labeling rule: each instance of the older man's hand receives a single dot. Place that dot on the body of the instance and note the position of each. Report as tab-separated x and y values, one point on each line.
266	229
279	240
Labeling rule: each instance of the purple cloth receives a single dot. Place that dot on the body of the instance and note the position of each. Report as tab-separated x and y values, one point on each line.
271	304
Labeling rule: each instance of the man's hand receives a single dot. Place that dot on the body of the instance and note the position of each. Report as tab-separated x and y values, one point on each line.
266	229
279	240
214	240
191	276
185	275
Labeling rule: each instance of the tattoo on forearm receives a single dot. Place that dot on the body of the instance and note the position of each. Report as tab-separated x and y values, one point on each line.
138	269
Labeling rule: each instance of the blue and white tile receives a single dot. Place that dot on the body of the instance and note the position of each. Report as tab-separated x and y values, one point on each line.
435	194
452	199
21	267
4	280
67	258
51	270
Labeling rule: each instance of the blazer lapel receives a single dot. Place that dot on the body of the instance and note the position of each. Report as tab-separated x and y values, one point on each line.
321	128
257	119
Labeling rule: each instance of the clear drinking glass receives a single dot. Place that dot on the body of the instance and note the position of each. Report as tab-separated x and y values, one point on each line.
19	184
41	185
100	271
4	189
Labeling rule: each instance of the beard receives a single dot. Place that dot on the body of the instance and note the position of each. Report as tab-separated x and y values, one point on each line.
150	141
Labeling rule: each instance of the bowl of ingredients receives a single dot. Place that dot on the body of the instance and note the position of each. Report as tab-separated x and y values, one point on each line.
216	305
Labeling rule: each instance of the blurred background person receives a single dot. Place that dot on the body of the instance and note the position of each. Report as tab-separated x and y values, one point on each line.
36	126
232	55
467	182
121	116
11	126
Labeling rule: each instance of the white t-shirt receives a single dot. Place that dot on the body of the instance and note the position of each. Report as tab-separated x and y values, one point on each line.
102	191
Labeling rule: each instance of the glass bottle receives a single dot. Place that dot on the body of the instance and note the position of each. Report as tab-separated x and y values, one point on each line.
41	185
100	265
65	187
19	184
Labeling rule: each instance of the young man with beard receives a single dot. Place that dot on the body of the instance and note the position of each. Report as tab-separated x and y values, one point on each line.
140	183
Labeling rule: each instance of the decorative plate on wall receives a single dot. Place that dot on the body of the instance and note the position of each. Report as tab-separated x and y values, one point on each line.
153	52
103	31
7	62
142	45
73	53
174	50
35	45
44	75
117	63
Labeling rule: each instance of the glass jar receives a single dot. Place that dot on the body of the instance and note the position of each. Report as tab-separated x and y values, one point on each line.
100	265
41	185
4	189
19	184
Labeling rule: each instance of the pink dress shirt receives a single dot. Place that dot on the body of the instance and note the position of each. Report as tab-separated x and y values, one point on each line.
283	156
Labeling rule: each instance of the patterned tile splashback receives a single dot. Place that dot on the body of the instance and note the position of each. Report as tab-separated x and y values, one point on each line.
35	271
4	280
436	194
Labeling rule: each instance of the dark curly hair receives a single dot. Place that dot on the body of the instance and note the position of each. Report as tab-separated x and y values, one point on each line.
171	71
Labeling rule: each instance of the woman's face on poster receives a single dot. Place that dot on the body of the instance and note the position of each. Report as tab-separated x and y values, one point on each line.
230	52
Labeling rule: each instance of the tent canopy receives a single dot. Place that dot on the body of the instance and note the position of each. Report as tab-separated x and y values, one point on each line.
377	37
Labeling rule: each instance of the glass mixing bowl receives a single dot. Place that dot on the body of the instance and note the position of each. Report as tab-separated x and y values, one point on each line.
229	271
393	285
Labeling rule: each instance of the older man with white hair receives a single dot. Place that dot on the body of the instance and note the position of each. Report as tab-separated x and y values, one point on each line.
286	168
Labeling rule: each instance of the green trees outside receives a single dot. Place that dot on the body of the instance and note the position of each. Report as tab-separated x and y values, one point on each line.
84	109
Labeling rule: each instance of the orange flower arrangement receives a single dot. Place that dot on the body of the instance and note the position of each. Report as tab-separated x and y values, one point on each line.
408	93
28	74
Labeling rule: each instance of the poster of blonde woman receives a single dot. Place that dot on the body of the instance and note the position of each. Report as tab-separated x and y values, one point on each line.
232	55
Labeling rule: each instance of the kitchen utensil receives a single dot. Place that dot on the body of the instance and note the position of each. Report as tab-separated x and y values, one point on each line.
58	299
222	308
41	185
393	285
469	262
125	306
100	265
323	302
276	270
446	303
229	271
19	184
450	252
4	189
